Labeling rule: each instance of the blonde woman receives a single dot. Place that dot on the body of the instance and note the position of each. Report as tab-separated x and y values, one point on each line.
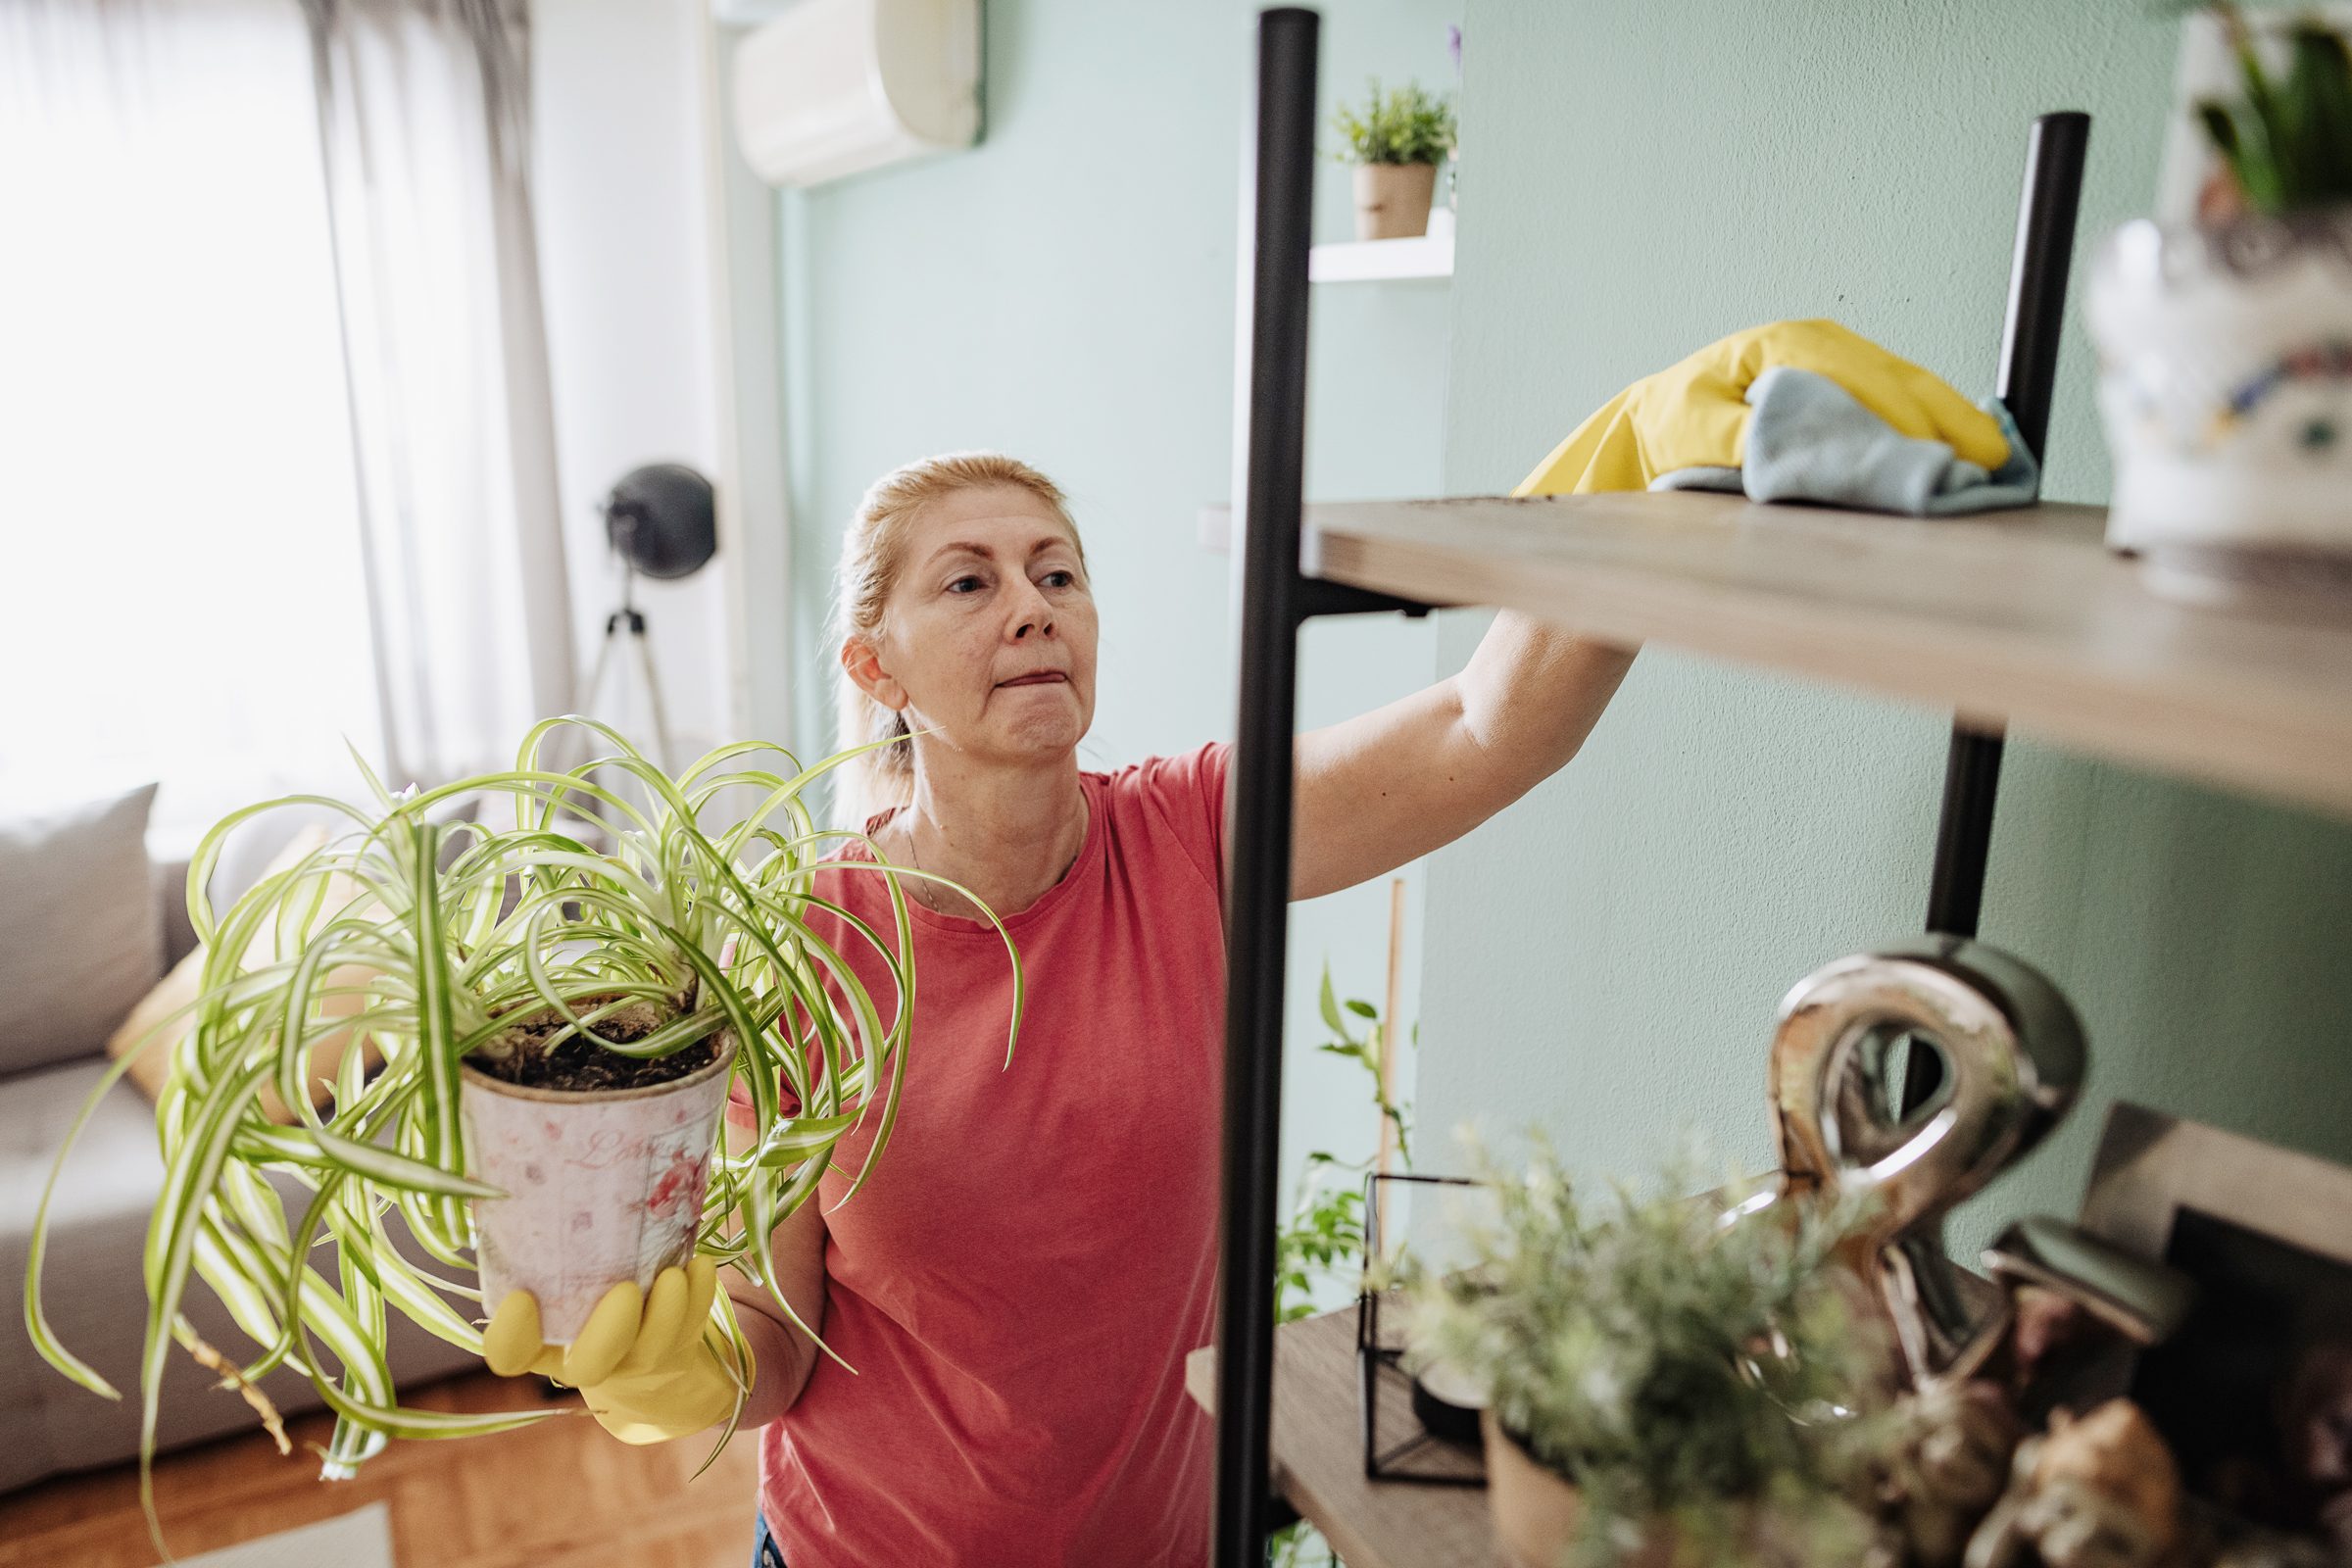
1018	1283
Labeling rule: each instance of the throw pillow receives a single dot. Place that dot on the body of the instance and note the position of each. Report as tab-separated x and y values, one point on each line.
80	936
181	987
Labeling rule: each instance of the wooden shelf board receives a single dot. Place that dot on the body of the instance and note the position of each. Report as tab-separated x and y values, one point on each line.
1371	260
2018	616
1319	1458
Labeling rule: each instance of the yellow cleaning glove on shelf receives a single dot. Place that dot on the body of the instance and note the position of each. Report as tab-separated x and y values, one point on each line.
649	1368
1695	415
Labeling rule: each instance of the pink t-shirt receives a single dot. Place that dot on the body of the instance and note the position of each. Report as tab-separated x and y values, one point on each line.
1019	1281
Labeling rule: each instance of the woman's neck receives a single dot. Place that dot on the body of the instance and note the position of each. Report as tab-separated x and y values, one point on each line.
1008	835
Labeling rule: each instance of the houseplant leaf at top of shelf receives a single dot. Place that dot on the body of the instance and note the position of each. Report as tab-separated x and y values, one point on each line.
2226	341
1395	139
628	987
1664	1387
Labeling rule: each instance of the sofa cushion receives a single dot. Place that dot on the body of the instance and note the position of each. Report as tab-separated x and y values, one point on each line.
80	940
161	1020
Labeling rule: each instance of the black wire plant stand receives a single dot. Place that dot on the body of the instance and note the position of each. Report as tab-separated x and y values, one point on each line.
1377	1359
1277	597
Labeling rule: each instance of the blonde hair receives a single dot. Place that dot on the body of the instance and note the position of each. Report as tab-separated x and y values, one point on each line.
871	549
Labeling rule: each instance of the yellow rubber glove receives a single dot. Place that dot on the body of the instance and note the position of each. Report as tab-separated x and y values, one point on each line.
649	1369
1694	414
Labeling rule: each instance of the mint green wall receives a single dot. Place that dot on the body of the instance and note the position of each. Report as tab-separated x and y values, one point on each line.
1065	293
1640	178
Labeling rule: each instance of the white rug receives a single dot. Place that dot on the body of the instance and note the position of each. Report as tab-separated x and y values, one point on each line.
361	1539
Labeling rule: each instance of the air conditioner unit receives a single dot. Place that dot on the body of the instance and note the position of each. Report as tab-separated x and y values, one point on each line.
834	87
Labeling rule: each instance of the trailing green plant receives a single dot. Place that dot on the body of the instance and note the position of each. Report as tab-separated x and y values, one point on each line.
699	913
1688	1373
1406	124
1323	1240
2286	140
1324	1236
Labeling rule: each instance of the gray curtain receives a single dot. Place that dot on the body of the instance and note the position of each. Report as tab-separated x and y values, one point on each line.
425	120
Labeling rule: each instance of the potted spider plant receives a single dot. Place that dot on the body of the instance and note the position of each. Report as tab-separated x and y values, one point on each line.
2226	343
1662	1387
1395	139
558	1028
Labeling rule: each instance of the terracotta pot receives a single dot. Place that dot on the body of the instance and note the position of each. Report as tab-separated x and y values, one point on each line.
2226	387
1392	200
601	1187
1536	1508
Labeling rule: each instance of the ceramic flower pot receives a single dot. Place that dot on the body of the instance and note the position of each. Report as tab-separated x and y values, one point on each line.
1535	1507
601	1187
1392	200
2226	388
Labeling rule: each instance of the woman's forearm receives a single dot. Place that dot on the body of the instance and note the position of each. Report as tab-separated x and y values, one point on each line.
783	1357
1530	695
1405	779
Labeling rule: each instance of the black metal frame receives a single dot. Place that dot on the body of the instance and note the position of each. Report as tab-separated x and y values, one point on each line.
1373	1358
1276	599
2029	336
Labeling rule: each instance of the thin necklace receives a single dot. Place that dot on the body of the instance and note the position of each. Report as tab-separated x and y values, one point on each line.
925	891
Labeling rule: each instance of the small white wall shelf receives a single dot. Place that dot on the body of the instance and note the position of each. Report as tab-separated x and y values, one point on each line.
1376	259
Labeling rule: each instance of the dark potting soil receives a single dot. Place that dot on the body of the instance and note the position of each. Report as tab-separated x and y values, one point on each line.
577	1065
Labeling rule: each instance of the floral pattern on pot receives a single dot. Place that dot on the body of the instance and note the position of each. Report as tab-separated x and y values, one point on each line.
600	1187
2225	386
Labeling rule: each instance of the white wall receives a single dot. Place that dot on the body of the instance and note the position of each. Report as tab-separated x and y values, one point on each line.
648	360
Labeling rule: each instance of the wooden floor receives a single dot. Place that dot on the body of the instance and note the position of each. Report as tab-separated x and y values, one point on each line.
560	1494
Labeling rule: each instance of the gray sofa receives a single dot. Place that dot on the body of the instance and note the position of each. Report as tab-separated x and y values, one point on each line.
97	1229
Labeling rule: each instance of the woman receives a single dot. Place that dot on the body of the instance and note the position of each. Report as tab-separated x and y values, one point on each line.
1020	1279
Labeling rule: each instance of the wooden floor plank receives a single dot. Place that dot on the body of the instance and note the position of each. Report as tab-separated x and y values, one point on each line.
560	1494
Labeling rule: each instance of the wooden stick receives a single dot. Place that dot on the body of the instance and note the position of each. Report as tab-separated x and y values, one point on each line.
1389	1041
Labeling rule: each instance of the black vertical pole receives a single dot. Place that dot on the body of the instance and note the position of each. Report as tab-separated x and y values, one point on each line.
1258	888
2030	338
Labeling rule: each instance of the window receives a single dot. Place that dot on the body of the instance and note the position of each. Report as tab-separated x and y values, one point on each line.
186	600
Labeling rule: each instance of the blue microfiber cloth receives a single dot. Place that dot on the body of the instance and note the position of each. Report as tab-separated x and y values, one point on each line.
1809	440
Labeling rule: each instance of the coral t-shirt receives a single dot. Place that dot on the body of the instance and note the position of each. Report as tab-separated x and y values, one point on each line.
1018	1282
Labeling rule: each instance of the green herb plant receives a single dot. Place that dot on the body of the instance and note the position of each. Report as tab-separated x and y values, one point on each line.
2288	140
703	908
1690	1374
1402	125
1322	1243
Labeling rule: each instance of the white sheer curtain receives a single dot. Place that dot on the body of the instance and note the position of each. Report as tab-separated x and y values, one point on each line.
178	529
425	118
273	396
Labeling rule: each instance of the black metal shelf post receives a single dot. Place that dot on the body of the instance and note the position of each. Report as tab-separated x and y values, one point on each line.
2029	335
1276	598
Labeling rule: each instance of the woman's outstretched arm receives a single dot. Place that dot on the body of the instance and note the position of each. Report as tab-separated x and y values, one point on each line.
1397	782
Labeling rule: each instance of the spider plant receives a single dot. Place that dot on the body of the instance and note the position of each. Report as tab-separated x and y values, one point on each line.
703	906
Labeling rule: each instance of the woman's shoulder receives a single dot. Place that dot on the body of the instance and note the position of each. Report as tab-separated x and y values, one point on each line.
1180	796
1181	778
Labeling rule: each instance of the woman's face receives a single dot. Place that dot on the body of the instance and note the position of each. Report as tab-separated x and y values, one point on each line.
988	636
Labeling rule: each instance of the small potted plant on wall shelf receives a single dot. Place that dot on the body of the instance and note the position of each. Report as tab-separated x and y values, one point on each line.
1395	139
1662	1388
2226	341
551	1034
